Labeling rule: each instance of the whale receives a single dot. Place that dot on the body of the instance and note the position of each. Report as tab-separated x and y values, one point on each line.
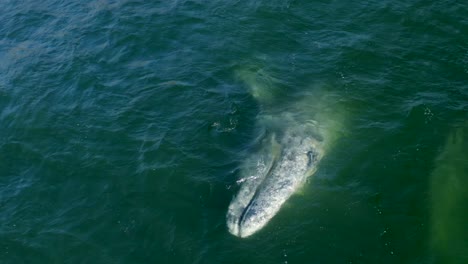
288	152
449	199
275	178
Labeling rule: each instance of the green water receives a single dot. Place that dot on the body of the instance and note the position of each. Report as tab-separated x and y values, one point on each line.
123	128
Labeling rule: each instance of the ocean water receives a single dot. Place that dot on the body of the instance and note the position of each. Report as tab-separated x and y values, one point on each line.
123	128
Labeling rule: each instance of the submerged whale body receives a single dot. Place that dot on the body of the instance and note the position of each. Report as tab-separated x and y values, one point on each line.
449	199
293	143
273	175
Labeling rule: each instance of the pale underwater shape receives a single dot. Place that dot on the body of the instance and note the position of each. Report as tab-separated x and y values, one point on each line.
449	197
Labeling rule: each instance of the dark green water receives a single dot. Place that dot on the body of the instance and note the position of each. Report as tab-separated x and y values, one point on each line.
123	127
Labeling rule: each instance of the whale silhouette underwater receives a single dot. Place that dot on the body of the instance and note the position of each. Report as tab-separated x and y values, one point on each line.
449	199
290	149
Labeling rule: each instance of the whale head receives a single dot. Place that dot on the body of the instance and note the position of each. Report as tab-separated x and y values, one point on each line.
270	181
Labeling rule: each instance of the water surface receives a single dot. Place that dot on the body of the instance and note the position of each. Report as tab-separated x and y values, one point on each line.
123	127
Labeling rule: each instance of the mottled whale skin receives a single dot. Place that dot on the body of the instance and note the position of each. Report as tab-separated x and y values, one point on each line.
271	176
294	139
